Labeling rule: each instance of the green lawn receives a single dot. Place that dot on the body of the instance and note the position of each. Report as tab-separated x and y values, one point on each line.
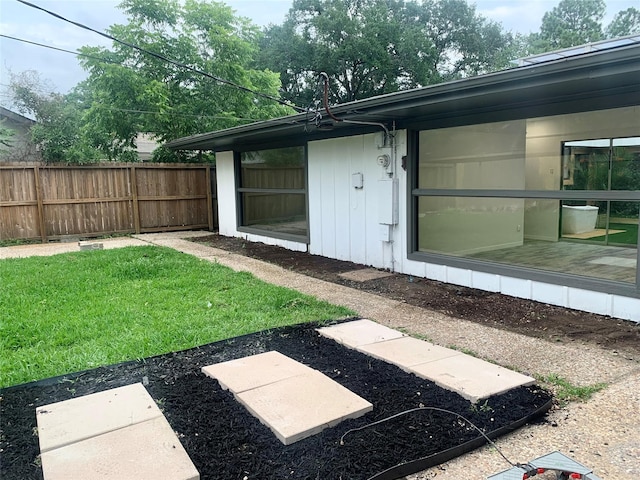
76	311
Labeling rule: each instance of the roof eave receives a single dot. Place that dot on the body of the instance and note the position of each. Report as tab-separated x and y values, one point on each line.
522	79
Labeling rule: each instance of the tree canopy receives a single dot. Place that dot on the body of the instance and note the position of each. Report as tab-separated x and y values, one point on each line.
577	22
59	128
372	47
132	91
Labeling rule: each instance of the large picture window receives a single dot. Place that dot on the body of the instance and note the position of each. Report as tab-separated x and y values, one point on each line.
272	189
558	194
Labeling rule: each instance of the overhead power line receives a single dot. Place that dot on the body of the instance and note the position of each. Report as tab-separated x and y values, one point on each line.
163	58
60	49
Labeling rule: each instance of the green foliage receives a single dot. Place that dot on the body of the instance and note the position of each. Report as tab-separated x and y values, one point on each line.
626	22
133	92
572	22
373	47
81	310
565	392
58	128
6	136
577	22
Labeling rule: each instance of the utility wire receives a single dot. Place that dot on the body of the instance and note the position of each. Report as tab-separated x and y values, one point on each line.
60	49
417	409
163	58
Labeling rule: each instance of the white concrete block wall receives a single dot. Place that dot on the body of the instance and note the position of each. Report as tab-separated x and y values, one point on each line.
596	302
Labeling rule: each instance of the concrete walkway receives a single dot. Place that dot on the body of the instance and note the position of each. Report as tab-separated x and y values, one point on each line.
602	433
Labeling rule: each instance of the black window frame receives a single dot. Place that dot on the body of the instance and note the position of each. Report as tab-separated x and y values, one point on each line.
241	190
544	276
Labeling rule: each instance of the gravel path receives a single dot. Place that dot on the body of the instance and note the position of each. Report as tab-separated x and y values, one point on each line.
602	433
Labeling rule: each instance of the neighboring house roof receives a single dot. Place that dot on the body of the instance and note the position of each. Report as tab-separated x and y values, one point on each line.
15	117
559	85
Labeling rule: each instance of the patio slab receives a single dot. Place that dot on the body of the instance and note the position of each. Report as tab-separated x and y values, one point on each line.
255	371
292	399
359	332
71	421
145	451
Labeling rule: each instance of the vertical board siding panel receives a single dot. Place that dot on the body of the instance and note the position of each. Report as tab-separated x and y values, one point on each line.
328	200
375	248
355	219
360	198
344	152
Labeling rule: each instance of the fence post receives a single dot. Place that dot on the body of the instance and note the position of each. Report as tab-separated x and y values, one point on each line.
134	193
43	230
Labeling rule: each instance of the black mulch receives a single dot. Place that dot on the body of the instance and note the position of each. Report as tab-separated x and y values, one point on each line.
225	442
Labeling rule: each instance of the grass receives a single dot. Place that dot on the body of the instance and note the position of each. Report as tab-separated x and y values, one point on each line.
565	392
77	311
628	236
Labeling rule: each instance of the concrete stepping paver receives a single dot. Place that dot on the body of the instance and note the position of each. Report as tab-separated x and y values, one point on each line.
471	377
299	407
119	433
292	399
359	332
407	352
71	421
145	451
254	371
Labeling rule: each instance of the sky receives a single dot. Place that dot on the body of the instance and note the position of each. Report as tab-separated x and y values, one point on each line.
62	71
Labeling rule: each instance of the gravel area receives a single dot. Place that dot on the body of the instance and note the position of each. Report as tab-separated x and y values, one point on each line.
602	433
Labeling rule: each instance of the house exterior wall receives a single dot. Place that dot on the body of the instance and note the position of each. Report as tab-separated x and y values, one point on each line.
22	148
344	220
345	224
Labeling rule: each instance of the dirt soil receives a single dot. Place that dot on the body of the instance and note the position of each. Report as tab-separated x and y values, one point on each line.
225	442
492	309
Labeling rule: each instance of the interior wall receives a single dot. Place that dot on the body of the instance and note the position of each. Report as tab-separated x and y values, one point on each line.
487	156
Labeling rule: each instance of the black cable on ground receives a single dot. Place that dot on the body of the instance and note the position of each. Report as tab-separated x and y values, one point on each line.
437	409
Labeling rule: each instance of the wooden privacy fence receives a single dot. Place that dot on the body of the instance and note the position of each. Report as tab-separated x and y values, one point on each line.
51	202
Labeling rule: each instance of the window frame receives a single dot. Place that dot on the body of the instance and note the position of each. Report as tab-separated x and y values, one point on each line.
537	275
241	190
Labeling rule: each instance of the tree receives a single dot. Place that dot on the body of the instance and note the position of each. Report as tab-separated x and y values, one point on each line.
626	22
373	47
6	137
58	130
133	92
571	23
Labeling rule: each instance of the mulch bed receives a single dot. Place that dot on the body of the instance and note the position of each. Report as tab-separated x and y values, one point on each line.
518	315
225	442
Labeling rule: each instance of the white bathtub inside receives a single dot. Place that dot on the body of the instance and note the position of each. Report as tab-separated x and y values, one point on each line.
579	219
